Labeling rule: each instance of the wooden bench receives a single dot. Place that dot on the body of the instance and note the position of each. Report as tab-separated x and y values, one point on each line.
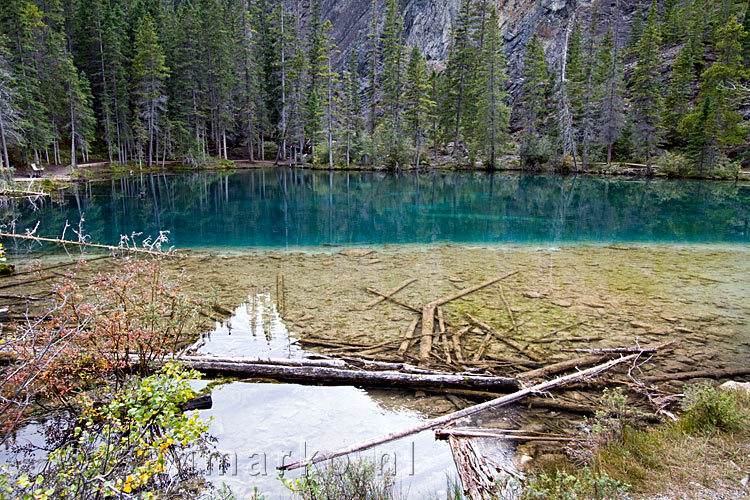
37	171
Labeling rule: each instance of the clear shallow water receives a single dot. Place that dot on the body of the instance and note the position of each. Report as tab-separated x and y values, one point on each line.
259	426
282	207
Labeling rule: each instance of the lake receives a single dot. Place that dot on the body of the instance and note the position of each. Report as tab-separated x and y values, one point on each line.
287	208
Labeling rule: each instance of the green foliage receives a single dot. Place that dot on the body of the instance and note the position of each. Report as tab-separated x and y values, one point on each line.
390	149
536	152
138	443
536	87
708	410
559	485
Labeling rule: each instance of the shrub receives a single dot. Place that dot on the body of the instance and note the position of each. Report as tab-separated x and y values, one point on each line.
343	480
560	485
535	152
675	164
137	444
708	410
120	322
390	151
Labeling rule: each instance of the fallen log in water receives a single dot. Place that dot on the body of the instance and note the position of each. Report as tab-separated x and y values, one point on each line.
498	434
328	372
452	417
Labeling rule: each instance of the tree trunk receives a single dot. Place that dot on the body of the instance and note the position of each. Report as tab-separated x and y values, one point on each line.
6	161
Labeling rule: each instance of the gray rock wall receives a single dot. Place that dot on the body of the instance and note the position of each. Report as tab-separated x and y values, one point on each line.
428	25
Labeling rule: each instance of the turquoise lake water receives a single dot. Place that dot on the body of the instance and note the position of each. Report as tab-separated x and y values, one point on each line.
282	207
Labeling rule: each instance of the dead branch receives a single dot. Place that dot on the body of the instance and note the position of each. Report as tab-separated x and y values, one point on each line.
389	294
625	350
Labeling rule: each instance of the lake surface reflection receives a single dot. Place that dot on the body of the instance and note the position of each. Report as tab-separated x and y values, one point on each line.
282	207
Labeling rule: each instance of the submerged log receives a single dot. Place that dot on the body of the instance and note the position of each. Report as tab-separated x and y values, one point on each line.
429	310
452	417
502	338
314	373
722	373
498	434
204	402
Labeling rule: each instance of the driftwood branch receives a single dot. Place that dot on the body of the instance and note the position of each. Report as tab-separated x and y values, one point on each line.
498	434
85	244
452	417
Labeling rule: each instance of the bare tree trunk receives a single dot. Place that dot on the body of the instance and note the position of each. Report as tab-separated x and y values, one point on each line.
4	144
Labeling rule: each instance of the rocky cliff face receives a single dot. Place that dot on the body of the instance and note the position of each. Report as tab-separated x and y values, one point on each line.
428	25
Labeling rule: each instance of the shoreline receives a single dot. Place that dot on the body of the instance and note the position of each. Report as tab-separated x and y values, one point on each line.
103	171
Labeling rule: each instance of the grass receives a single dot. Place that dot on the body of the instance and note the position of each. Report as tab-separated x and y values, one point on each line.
709	445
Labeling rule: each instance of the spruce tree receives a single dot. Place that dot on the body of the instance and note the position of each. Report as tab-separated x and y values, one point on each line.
717	123
460	67
646	91
393	68
612	114
417	97
532	103
317	70
681	88
149	73
351	105
746	28
494	115
10	117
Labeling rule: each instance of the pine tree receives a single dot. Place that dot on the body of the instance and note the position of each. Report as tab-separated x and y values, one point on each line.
646	89
417	97
494	116
149	72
